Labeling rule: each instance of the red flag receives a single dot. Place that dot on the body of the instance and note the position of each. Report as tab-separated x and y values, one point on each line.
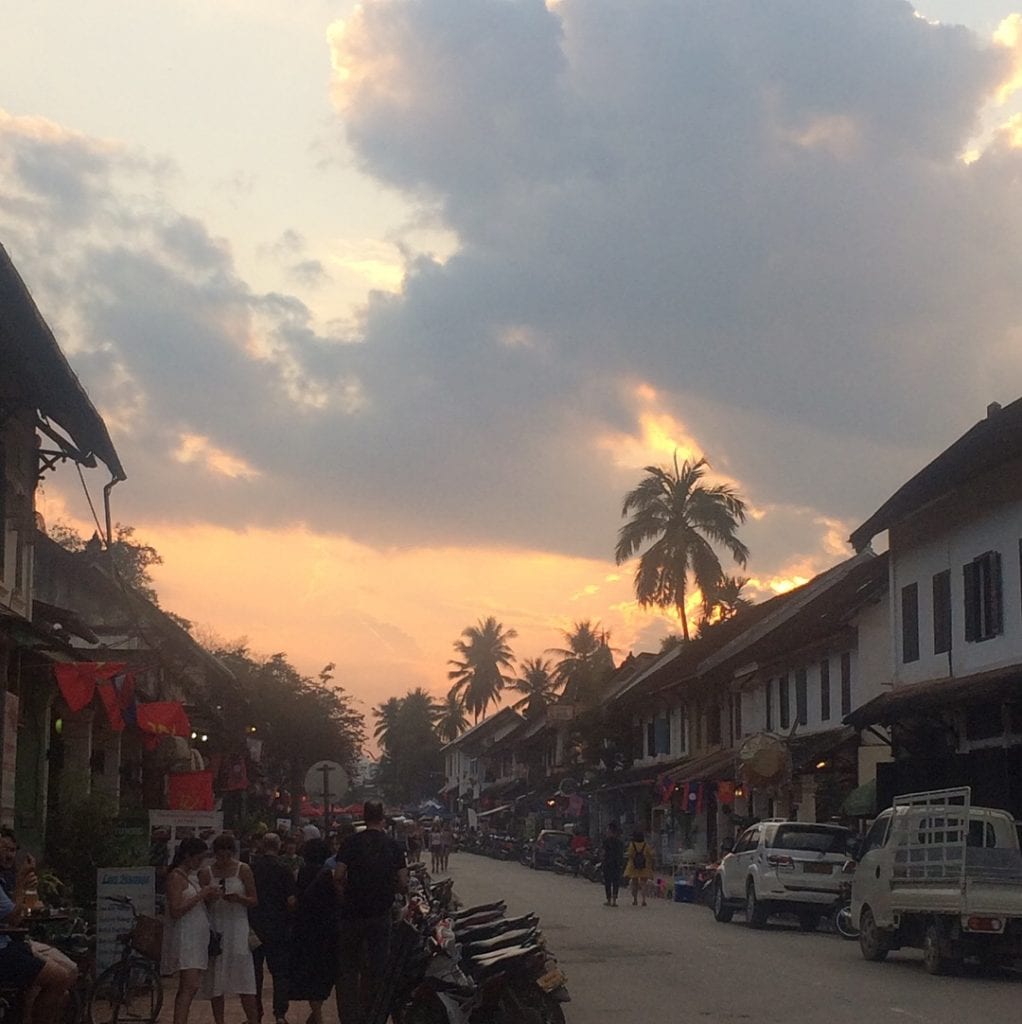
237	775
726	792
108	695
77	680
190	791
164	718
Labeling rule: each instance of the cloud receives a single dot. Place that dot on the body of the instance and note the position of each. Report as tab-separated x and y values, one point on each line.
740	231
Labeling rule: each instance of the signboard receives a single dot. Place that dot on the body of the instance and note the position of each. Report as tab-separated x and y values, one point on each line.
112	920
326	781
182	823
284	824
9	758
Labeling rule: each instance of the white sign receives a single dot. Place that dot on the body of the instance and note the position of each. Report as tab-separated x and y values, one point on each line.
284	823
326	778
179	823
112	919
9	762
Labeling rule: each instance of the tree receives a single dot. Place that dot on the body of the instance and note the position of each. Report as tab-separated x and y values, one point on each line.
586	662
681	519
479	676
726	601
537	683
410	768
131	559
451	720
386	715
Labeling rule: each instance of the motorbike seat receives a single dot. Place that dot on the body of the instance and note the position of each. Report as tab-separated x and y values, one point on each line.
482	908
514	938
475	933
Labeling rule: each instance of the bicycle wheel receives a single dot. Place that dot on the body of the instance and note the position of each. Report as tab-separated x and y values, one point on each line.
129	992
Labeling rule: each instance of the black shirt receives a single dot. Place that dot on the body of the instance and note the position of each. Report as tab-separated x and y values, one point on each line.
613	852
274	886
373	861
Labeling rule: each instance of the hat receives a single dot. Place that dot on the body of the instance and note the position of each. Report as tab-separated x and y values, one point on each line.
311	832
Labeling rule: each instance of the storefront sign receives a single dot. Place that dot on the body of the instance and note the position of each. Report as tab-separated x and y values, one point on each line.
112	919
185	823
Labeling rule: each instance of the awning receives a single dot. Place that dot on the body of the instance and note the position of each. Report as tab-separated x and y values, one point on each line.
807	751
717	766
933	694
495	810
862	801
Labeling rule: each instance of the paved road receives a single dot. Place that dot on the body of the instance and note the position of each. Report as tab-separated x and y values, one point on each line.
672	962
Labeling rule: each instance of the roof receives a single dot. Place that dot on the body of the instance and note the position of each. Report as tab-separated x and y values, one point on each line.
931	694
717	765
993	441
479	731
29	353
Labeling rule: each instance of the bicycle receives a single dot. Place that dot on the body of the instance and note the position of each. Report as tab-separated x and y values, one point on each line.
129	991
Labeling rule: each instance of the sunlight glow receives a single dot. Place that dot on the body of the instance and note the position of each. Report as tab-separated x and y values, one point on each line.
1009	35
197	448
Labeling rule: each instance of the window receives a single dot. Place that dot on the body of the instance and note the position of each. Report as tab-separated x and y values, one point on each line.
784	696
825	690
942	612
662	731
876	836
983	610
846	684
769	705
713	725
801	697
651	738
738	717
910	622
699	726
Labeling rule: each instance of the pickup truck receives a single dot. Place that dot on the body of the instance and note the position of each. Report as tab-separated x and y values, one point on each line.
938	874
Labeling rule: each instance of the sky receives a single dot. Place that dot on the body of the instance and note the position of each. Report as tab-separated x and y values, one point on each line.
387	305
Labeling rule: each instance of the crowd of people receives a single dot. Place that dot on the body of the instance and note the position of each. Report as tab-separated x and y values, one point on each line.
313	913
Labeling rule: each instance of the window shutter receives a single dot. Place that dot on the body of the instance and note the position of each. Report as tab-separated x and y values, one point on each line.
994	603
971	579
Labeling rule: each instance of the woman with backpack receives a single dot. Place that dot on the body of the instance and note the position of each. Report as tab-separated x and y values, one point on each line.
639	866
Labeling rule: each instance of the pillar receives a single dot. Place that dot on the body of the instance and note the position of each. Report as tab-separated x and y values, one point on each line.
76	776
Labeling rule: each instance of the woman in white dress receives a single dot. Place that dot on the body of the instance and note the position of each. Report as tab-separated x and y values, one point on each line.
233	972
186	933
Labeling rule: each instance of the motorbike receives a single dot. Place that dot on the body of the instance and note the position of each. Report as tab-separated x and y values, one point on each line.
841	915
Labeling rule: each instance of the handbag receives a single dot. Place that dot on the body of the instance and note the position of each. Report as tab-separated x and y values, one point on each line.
216	944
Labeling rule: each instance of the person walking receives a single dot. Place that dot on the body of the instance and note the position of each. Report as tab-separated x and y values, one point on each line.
186	932
639	866
270	920
447	845
314	934
613	862
232	972
370	871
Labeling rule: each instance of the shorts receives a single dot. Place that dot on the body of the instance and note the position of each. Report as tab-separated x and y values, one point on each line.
18	967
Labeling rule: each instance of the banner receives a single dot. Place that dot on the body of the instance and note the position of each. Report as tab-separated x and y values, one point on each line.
163	718
190	791
181	823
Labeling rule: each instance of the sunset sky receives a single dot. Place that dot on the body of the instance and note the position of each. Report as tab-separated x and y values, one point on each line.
387	305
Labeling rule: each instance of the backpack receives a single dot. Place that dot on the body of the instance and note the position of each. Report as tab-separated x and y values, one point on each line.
639	857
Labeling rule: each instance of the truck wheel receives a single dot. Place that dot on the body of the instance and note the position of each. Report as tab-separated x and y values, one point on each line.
755	912
936	958
872	942
721	911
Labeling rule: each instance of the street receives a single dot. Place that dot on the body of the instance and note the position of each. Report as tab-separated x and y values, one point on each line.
673	962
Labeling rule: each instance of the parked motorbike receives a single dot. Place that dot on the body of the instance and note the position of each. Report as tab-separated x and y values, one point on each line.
841	915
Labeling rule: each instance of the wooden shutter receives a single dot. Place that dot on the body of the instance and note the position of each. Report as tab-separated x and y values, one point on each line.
970	574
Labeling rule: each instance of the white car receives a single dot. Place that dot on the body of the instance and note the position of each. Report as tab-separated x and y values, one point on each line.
783	867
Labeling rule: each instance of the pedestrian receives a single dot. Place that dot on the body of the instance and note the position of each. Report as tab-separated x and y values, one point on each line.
186	932
270	920
448	846
370	871
314	934
232	973
639	867
8	855
436	847
613	862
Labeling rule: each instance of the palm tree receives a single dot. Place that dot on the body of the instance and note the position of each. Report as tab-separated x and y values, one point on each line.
451	721
538	685
680	518
386	715
585	662
478	675
727	600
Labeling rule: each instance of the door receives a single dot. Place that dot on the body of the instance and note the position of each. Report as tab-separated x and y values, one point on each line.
735	866
870	882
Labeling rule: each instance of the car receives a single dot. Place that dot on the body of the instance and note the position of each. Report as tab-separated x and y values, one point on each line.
784	867
550	844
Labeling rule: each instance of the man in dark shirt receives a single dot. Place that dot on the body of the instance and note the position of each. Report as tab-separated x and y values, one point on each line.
370	871
269	919
8	854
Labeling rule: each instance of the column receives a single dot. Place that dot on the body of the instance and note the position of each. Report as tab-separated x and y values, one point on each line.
76	775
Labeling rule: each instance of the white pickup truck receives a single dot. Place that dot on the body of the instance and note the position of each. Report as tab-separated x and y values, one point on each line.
938	874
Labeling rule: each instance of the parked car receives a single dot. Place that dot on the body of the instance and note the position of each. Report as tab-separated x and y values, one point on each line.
938	874
549	845
783	867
